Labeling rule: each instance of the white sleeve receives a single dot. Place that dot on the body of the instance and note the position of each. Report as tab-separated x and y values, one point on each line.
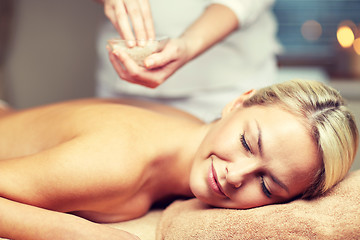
247	11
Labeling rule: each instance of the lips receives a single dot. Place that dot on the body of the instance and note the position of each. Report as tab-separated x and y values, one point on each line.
213	180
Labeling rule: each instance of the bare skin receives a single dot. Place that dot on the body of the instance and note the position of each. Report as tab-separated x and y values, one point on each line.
110	160
80	158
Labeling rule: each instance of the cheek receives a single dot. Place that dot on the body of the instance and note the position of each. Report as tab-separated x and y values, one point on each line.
249	196
198	176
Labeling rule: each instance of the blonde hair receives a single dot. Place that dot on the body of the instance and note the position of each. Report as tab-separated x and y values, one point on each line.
330	124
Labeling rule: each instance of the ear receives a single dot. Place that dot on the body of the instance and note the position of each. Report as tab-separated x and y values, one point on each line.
238	102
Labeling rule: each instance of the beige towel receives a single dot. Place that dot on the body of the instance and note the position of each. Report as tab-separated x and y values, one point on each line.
143	227
335	215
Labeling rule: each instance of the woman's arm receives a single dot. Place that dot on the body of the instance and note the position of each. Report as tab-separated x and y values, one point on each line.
217	22
65	178
247	11
25	222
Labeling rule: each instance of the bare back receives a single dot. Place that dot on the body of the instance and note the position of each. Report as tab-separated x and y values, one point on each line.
90	157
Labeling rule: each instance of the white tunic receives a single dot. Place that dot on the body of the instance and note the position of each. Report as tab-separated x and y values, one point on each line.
244	60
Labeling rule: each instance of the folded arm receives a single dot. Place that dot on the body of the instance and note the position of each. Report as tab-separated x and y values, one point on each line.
21	221
63	179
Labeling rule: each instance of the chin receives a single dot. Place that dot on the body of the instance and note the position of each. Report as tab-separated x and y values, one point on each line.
200	193
209	200
226	204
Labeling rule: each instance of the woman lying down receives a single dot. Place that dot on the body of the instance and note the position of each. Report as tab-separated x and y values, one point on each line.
111	160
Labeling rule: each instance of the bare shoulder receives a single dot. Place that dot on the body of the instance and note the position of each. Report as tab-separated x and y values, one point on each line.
93	153
161	108
136	105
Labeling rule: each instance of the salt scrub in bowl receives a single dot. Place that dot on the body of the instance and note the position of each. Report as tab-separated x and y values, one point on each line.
142	50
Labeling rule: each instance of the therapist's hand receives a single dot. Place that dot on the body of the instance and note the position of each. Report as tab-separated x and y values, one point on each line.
138	11
216	22
158	66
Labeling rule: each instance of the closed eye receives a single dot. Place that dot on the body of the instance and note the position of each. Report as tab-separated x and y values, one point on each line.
264	188
244	143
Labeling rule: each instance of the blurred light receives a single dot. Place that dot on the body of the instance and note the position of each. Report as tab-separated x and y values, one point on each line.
311	30
356	46
345	36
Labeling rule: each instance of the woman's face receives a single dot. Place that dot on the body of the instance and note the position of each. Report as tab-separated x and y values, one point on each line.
254	156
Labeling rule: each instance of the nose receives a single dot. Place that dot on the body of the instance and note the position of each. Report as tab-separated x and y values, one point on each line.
238	172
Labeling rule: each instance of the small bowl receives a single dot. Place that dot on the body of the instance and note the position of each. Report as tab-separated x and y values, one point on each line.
141	50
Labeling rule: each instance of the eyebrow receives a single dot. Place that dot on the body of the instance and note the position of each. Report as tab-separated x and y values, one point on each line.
259	142
260	147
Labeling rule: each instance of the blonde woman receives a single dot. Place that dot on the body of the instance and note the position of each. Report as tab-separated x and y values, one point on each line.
110	160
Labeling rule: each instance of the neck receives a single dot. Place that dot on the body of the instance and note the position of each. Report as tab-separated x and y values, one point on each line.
170	173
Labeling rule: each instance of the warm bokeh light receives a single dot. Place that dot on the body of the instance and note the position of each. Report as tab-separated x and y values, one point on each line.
311	30
356	46
345	36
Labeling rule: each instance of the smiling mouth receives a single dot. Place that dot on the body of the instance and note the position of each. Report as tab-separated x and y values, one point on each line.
213	180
